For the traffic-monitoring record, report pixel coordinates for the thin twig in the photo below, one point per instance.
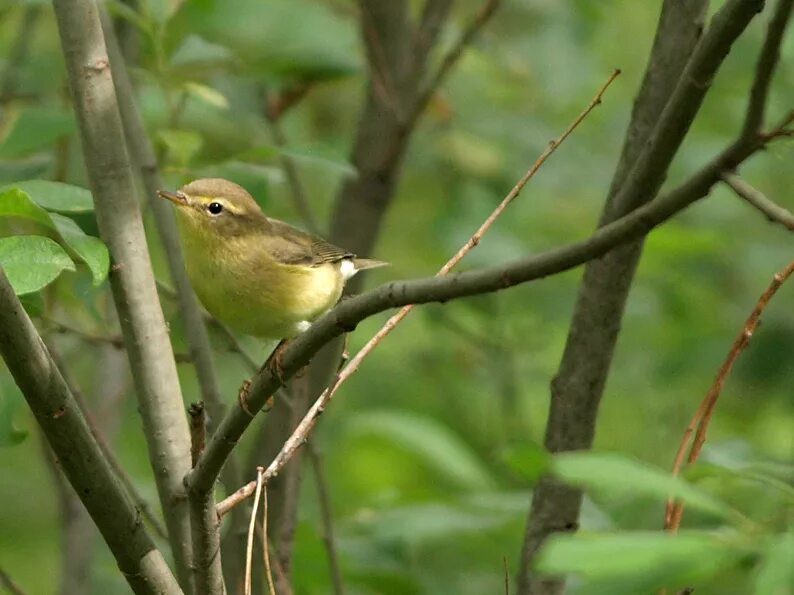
(8, 583)
(326, 514)
(700, 421)
(63, 327)
(249, 549)
(265, 550)
(300, 433)
(771, 210)
(507, 575)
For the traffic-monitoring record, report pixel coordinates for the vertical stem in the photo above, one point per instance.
(80, 457)
(142, 322)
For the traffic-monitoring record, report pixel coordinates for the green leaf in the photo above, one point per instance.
(649, 559)
(91, 250)
(434, 442)
(33, 303)
(36, 129)
(319, 157)
(615, 474)
(55, 196)
(16, 203)
(195, 50)
(207, 94)
(32, 262)
(776, 571)
(182, 145)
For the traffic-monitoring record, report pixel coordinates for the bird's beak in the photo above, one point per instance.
(178, 198)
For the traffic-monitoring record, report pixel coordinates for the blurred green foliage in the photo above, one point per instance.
(433, 447)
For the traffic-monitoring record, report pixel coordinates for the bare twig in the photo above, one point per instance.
(265, 549)
(327, 517)
(9, 585)
(507, 575)
(63, 327)
(301, 432)
(700, 421)
(249, 550)
(132, 281)
(771, 210)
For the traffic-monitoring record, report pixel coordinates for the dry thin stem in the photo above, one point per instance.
(249, 549)
(300, 433)
(700, 421)
(771, 210)
(265, 550)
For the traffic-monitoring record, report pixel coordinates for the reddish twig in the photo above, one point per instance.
(265, 551)
(700, 421)
(308, 422)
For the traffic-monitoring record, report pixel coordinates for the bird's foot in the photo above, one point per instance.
(273, 363)
(242, 396)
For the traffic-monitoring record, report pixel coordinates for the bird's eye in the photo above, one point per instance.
(215, 208)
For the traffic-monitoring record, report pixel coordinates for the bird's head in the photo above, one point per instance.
(215, 207)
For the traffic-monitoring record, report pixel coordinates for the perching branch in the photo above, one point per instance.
(80, 457)
(700, 422)
(347, 314)
(121, 228)
(771, 210)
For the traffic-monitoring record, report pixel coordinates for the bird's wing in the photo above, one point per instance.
(289, 245)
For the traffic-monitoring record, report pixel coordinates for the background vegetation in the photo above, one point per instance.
(431, 450)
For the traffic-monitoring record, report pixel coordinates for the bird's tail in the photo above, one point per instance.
(368, 263)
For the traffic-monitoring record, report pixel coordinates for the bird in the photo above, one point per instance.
(258, 275)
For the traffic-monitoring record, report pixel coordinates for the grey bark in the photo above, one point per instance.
(80, 457)
(142, 322)
(143, 154)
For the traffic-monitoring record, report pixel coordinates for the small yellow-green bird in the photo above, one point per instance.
(258, 275)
